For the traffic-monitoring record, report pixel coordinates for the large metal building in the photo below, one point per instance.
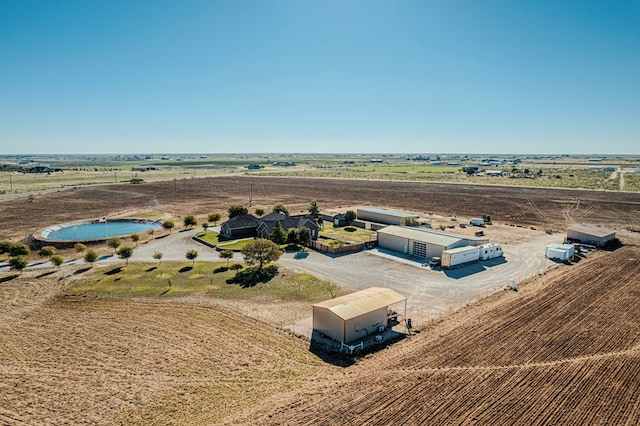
(388, 217)
(590, 234)
(355, 315)
(423, 242)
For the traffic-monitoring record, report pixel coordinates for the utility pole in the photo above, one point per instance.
(250, 194)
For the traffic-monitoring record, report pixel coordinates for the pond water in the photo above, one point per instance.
(97, 231)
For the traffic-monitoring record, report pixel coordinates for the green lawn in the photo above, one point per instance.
(175, 279)
(348, 233)
(210, 236)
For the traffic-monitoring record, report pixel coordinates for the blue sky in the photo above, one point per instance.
(397, 76)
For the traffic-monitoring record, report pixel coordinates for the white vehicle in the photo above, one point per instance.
(460, 256)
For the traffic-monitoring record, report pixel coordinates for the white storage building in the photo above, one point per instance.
(388, 217)
(590, 234)
(355, 315)
(423, 242)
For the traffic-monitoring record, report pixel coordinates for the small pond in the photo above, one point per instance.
(85, 231)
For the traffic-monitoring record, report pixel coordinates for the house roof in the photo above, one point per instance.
(361, 302)
(594, 230)
(288, 222)
(244, 220)
(273, 216)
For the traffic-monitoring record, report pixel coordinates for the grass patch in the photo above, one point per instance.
(170, 280)
(212, 237)
(351, 234)
(235, 245)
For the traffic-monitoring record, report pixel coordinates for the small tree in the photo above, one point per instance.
(410, 221)
(226, 254)
(47, 251)
(56, 260)
(350, 216)
(114, 243)
(19, 249)
(292, 236)
(192, 255)
(5, 246)
(261, 251)
(237, 210)
(321, 222)
(158, 256)
(304, 236)
(168, 225)
(135, 238)
(278, 235)
(18, 263)
(214, 218)
(190, 221)
(125, 253)
(280, 208)
(205, 226)
(260, 212)
(90, 257)
(314, 210)
(79, 247)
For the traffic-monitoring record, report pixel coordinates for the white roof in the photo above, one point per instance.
(422, 234)
(386, 212)
(462, 249)
(361, 302)
(563, 247)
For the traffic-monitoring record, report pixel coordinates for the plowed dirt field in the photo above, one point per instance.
(565, 349)
(553, 208)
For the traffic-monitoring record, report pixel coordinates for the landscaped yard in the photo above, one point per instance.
(173, 279)
(351, 234)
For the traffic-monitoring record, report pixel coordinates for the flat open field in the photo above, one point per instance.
(554, 208)
(562, 350)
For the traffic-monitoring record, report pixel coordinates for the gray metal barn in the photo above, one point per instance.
(388, 217)
(423, 242)
(590, 234)
(355, 315)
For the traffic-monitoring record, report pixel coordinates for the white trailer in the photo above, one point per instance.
(459, 256)
(476, 221)
(490, 251)
(560, 252)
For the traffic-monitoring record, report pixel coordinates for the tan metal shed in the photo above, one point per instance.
(355, 315)
(590, 234)
(423, 242)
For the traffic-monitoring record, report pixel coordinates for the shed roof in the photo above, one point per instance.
(595, 230)
(361, 302)
(431, 236)
(386, 212)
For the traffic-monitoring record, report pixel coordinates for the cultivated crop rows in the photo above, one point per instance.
(568, 353)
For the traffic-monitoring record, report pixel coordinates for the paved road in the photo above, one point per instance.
(429, 292)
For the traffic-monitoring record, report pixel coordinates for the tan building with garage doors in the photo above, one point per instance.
(423, 242)
(355, 315)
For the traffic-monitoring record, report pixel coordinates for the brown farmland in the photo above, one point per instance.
(562, 350)
(514, 205)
